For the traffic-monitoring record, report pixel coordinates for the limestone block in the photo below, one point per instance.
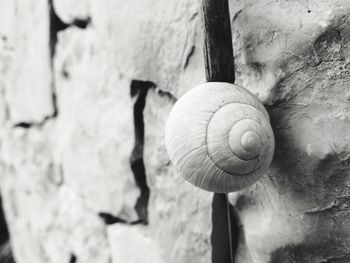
(28, 86)
(27, 191)
(148, 40)
(132, 244)
(75, 232)
(48, 222)
(95, 125)
(68, 10)
(180, 214)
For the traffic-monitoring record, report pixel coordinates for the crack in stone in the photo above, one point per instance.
(81, 23)
(73, 258)
(56, 25)
(189, 55)
(138, 92)
(166, 94)
(40, 124)
(110, 219)
(341, 203)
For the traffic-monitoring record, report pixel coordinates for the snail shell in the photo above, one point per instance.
(219, 137)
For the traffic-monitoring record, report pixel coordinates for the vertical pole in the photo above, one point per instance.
(218, 51)
(219, 67)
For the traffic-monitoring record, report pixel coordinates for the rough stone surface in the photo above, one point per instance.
(29, 91)
(48, 221)
(269, 34)
(59, 174)
(148, 40)
(299, 211)
(144, 249)
(94, 141)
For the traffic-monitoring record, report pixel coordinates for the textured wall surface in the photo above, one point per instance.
(85, 90)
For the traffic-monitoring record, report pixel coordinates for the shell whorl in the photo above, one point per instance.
(219, 137)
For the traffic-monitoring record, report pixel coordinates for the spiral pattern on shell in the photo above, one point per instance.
(219, 137)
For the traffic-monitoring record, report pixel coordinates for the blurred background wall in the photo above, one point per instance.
(85, 90)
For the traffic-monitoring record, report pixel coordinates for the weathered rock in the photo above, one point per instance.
(95, 125)
(28, 86)
(148, 40)
(297, 212)
(75, 166)
(48, 222)
(269, 34)
(27, 191)
(132, 244)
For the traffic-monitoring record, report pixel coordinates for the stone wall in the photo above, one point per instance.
(85, 90)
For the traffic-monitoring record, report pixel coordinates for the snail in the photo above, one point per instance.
(218, 136)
